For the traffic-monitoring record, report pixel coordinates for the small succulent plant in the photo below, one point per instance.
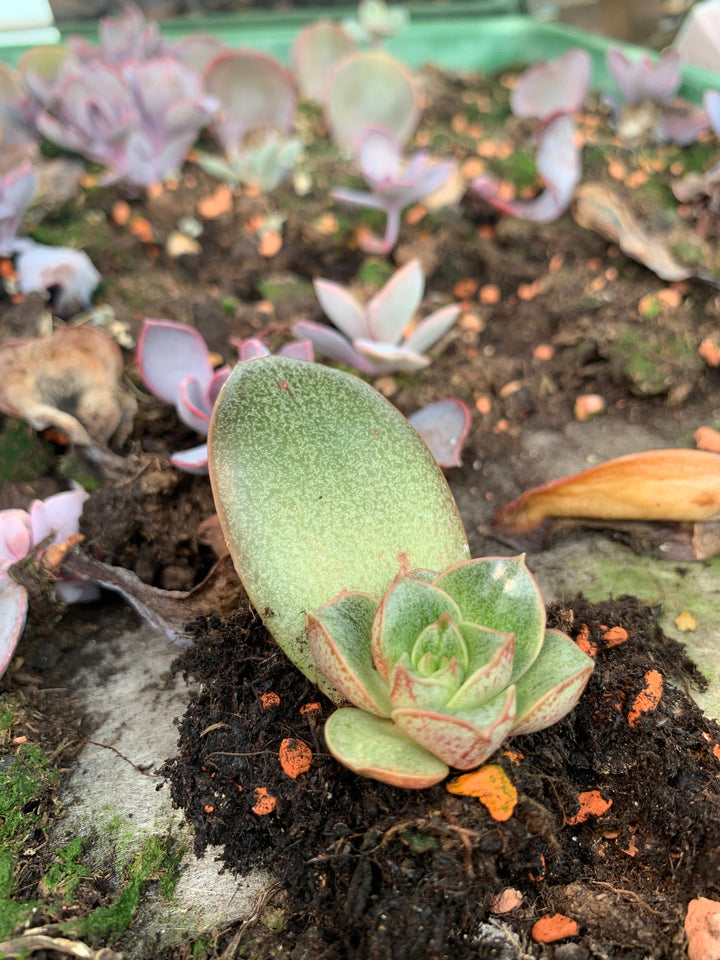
(264, 166)
(377, 21)
(336, 517)
(393, 185)
(47, 522)
(374, 339)
(648, 106)
(550, 92)
(442, 669)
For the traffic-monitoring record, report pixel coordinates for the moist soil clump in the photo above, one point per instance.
(367, 870)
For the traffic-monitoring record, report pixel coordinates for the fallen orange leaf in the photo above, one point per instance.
(670, 485)
(648, 698)
(493, 788)
(295, 757)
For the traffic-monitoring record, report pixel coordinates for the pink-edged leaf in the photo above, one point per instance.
(444, 427)
(301, 350)
(370, 89)
(167, 354)
(58, 515)
(315, 51)
(553, 684)
(197, 50)
(432, 328)
(193, 406)
(268, 95)
(386, 358)
(194, 460)
(16, 537)
(379, 157)
(329, 343)
(555, 86)
(338, 635)
(409, 689)
(374, 747)
(646, 79)
(217, 382)
(342, 308)
(558, 163)
(461, 738)
(13, 612)
(500, 593)
(252, 348)
(392, 307)
(408, 606)
(490, 668)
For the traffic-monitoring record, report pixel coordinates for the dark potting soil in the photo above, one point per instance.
(364, 870)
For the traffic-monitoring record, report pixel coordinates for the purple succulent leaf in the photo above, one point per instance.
(342, 308)
(129, 36)
(555, 86)
(374, 747)
(681, 123)
(461, 738)
(16, 539)
(493, 591)
(392, 308)
(552, 685)
(432, 328)
(57, 515)
(386, 358)
(268, 96)
(444, 427)
(380, 159)
(251, 349)
(197, 50)
(558, 163)
(301, 350)
(645, 79)
(338, 635)
(711, 103)
(408, 606)
(329, 343)
(217, 382)
(13, 612)
(360, 198)
(68, 273)
(194, 460)
(17, 189)
(193, 405)
(167, 353)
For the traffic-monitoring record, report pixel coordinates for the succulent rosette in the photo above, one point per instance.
(442, 670)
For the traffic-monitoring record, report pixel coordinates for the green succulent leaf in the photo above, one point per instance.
(462, 738)
(553, 684)
(500, 593)
(339, 640)
(489, 668)
(322, 486)
(410, 689)
(373, 747)
(408, 607)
